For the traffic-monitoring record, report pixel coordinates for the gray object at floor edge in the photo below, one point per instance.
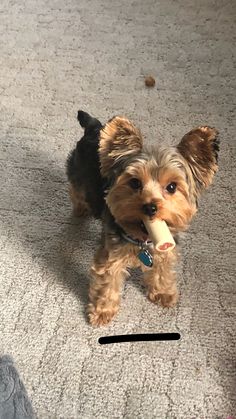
(14, 401)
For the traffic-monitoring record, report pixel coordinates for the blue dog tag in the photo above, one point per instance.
(145, 257)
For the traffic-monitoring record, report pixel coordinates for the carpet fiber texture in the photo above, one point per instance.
(56, 57)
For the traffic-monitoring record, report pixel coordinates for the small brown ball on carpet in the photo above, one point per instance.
(150, 81)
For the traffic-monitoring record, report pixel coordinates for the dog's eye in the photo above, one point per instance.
(171, 188)
(135, 183)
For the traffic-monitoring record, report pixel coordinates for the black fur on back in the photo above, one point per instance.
(83, 167)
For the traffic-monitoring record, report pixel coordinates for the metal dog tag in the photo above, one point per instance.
(145, 257)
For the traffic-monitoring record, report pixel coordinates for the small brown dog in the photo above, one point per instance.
(116, 178)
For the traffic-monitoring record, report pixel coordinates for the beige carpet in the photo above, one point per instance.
(56, 57)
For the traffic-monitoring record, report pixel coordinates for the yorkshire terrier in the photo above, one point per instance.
(116, 178)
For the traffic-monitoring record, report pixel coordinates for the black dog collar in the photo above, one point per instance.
(136, 242)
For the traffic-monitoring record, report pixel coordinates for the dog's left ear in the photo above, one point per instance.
(118, 139)
(200, 149)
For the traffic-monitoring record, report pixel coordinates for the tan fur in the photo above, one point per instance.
(197, 148)
(161, 279)
(80, 206)
(109, 270)
(118, 138)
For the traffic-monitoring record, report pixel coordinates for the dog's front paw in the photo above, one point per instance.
(166, 300)
(101, 316)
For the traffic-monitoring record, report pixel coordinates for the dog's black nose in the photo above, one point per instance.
(149, 209)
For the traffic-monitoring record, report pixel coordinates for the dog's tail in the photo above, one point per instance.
(87, 121)
(84, 118)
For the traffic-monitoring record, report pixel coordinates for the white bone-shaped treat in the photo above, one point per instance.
(160, 235)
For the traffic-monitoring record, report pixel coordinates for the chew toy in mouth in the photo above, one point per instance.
(165, 246)
(160, 234)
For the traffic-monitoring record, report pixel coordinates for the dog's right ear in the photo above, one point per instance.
(118, 139)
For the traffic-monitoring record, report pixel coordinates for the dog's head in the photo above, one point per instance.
(157, 182)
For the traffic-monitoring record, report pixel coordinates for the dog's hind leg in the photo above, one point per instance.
(77, 196)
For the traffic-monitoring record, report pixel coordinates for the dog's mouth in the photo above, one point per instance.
(138, 230)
